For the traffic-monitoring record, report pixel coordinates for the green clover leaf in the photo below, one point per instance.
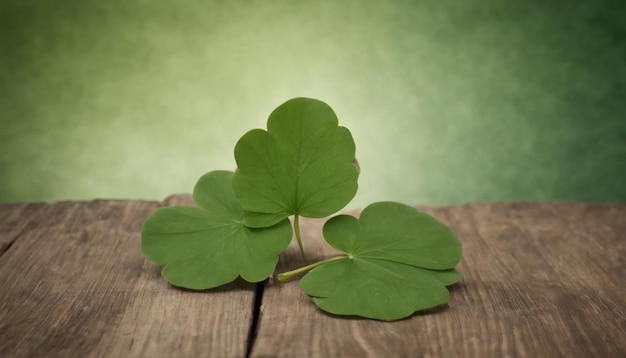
(398, 261)
(304, 164)
(210, 246)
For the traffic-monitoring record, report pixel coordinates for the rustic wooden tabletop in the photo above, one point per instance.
(539, 280)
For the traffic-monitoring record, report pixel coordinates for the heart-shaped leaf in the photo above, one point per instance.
(304, 164)
(210, 246)
(398, 261)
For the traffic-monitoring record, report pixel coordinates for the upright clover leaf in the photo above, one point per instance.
(303, 165)
(209, 246)
(398, 261)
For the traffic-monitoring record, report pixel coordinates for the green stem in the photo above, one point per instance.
(296, 228)
(286, 276)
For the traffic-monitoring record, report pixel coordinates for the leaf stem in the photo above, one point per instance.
(286, 276)
(296, 228)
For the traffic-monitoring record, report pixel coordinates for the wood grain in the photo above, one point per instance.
(14, 218)
(540, 280)
(74, 284)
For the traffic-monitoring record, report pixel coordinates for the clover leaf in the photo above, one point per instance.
(304, 164)
(398, 261)
(210, 246)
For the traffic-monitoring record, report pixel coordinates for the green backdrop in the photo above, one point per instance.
(448, 101)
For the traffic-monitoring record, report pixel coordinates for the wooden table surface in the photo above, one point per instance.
(539, 280)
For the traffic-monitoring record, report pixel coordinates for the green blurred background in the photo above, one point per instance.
(448, 101)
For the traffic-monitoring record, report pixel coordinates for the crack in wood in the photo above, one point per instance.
(9, 210)
(6, 247)
(256, 316)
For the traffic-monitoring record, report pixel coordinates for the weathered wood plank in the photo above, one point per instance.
(163, 321)
(75, 284)
(67, 277)
(540, 280)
